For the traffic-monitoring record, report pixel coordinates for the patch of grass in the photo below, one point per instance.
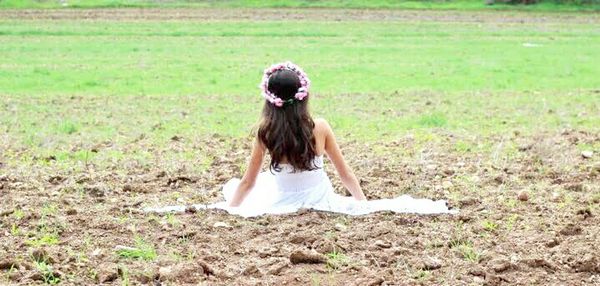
(468, 252)
(336, 259)
(510, 224)
(489, 225)
(421, 274)
(15, 230)
(44, 239)
(463, 146)
(142, 250)
(49, 210)
(124, 273)
(47, 272)
(432, 120)
(18, 214)
(171, 219)
(67, 127)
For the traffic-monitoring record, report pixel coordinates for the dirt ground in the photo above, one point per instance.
(530, 218)
(131, 14)
(529, 205)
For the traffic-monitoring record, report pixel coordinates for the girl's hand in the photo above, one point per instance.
(249, 178)
(335, 155)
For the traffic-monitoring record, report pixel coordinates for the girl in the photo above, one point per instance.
(297, 144)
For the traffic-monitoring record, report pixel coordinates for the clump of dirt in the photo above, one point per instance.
(305, 256)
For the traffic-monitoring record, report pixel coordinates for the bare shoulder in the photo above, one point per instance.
(322, 126)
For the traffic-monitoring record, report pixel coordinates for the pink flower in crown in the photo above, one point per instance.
(300, 95)
(278, 102)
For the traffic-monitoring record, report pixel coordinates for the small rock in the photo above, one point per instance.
(523, 196)
(585, 213)
(206, 267)
(431, 167)
(96, 252)
(15, 275)
(6, 212)
(587, 154)
(525, 147)
(382, 244)
(304, 256)
(370, 281)
(36, 276)
(465, 217)
(538, 263)
(339, 227)
(125, 248)
(399, 250)
(165, 273)
(7, 264)
(277, 268)
(576, 187)
(587, 263)
(71, 212)
(552, 243)
(468, 201)
(221, 224)
(252, 270)
(571, 229)
(447, 184)
(499, 265)
(477, 271)
(184, 273)
(431, 264)
(97, 191)
(107, 273)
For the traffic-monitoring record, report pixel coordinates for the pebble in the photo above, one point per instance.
(96, 252)
(382, 244)
(447, 185)
(8, 264)
(587, 154)
(305, 256)
(523, 196)
(221, 224)
(340, 227)
(499, 265)
(468, 201)
(165, 272)
(431, 264)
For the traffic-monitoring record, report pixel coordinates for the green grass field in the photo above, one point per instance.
(106, 112)
(66, 83)
(545, 5)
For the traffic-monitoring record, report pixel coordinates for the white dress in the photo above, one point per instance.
(287, 192)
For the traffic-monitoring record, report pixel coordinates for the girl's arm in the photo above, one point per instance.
(249, 178)
(335, 155)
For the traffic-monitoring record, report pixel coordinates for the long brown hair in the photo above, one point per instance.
(287, 131)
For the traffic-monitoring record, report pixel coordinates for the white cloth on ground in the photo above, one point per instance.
(287, 192)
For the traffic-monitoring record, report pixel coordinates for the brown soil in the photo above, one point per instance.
(497, 238)
(298, 14)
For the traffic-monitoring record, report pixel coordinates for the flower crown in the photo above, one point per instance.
(272, 98)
